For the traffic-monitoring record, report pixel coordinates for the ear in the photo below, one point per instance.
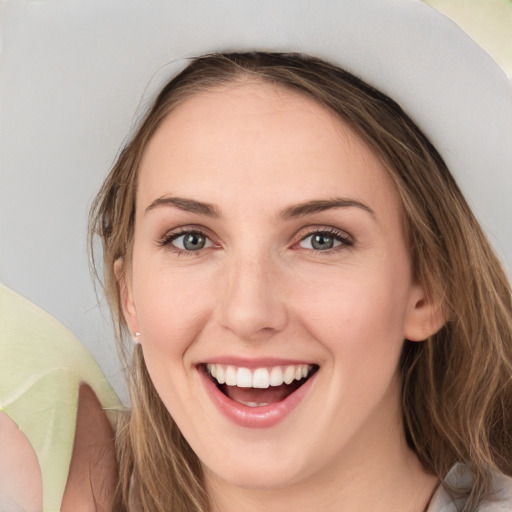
(126, 295)
(424, 316)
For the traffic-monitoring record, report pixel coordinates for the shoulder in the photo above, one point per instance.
(500, 501)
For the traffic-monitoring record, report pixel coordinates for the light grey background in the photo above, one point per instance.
(73, 74)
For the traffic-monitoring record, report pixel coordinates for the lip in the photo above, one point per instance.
(254, 417)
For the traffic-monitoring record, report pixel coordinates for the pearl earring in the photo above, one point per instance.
(135, 336)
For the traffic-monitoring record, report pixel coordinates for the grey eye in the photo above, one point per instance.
(322, 241)
(191, 242)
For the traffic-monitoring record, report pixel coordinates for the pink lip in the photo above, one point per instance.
(255, 417)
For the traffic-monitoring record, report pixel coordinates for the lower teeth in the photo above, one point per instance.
(253, 404)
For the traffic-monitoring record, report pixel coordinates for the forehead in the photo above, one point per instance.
(257, 137)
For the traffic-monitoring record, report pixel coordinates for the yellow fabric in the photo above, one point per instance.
(41, 367)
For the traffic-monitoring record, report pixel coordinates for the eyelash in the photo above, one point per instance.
(343, 238)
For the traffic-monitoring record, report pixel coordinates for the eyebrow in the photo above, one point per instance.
(320, 205)
(187, 205)
(291, 212)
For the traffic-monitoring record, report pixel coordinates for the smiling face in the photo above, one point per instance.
(269, 251)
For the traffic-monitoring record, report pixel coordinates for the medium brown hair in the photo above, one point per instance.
(456, 385)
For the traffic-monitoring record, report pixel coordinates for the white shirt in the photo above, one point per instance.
(459, 476)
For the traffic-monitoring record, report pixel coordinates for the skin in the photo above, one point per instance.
(259, 289)
(93, 464)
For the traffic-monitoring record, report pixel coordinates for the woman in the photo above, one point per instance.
(320, 321)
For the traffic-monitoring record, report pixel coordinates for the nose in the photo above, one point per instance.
(251, 305)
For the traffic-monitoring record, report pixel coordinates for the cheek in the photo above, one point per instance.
(171, 317)
(358, 316)
(172, 308)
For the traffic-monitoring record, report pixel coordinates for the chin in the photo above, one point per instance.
(258, 477)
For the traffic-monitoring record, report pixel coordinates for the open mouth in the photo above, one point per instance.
(259, 387)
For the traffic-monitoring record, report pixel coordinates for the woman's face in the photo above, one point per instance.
(269, 246)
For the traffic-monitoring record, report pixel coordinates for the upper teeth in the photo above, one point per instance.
(258, 377)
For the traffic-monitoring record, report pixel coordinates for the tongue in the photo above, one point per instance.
(270, 395)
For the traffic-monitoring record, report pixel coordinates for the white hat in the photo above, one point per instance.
(72, 74)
